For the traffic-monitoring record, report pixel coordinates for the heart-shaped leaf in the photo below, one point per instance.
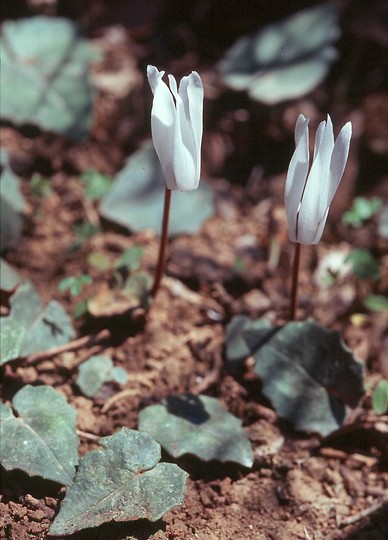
(286, 59)
(123, 481)
(41, 440)
(197, 425)
(11, 205)
(9, 278)
(43, 327)
(243, 336)
(45, 75)
(95, 372)
(12, 335)
(307, 372)
(136, 198)
(51, 328)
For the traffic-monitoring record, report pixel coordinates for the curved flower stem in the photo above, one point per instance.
(294, 287)
(163, 243)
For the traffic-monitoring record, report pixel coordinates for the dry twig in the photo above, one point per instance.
(212, 377)
(86, 435)
(363, 514)
(85, 341)
(128, 392)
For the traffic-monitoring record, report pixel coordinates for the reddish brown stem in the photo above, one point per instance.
(163, 243)
(294, 287)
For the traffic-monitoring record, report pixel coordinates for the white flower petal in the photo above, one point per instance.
(321, 226)
(314, 199)
(324, 140)
(176, 123)
(187, 153)
(308, 203)
(173, 86)
(300, 127)
(154, 76)
(185, 169)
(322, 162)
(339, 158)
(163, 106)
(297, 174)
(193, 89)
(327, 143)
(163, 119)
(308, 217)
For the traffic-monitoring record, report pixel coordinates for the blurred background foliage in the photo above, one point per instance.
(244, 137)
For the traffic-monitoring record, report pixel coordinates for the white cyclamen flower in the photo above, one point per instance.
(176, 125)
(308, 195)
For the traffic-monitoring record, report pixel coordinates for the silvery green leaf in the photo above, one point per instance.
(97, 371)
(12, 335)
(41, 440)
(52, 327)
(119, 375)
(286, 59)
(9, 278)
(197, 425)
(42, 327)
(136, 198)
(307, 372)
(122, 481)
(45, 75)
(238, 345)
(11, 205)
(25, 304)
(93, 374)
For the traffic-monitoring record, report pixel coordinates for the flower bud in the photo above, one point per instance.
(310, 191)
(177, 125)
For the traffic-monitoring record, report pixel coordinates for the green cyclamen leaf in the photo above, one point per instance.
(197, 425)
(41, 440)
(286, 59)
(45, 75)
(123, 481)
(9, 278)
(135, 200)
(11, 205)
(41, 327)
(12, 335)
(96, 371)
(306, 371)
